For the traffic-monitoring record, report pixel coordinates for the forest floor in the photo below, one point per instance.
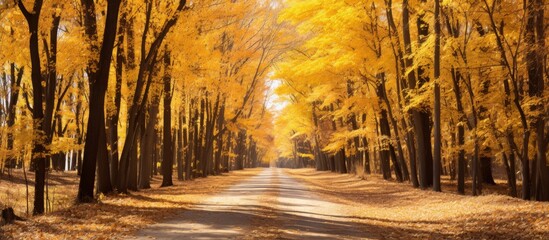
(61, 190)
(281, 204)
(113, 216)
(399, 211)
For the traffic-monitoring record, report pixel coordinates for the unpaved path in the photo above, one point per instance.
(271, 205)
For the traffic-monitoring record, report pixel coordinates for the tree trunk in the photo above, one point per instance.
(188, 146)
(421, 117)
(115, 117)
(37, 112)
(437, 161)
(103, 174)
(385, 146)
(179, 148)
(400, 164)
(167, 162)
(535, 37)
(414, 114)
(460, 133)
(220, 124)
(148, 146)
(98, 77)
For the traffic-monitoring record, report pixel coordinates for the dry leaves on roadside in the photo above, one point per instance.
(119, 215)
(400, 211)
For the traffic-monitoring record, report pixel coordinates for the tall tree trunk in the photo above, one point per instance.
(421, 116)
(414, 114)
(167, 162)
(403, 173)
(98, 76)
(103, 174)
(51, 85)
(437, 161)
(460, 133)
(509, 162)
(220, 124)
(385, 146)
(199, 144)
(240, 150)
(134, 162)
(115, 117)
(402, 87)
(187, 145)
(226, 158)
(366, 152)
(179, 148)
(535, 37)
(148, 146)
(38, 150)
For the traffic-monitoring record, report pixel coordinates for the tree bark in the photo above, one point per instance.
(535, 55)
(179, 147)
(148, 145)
(115, 117)
(421, 117)
(98, 74)
(167, 162)
(38, 150)
(437, 161)
(414, 114)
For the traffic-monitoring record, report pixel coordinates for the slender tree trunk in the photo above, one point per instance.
(385, 146)
(226, 158)
(179, 148)
(403, 173)
(535, 37)
(115, 117)
(414, 114)
(437, 161)
(167, 162)
(148, 146)
(98, 76)
(187, 133)
(509, 162)
(240, 150)
(50, 88)
(37, 112)
(366, 152)
(421, 117)
(220, 124)
(460, 133)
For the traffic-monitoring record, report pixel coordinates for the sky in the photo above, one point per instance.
(274, 102)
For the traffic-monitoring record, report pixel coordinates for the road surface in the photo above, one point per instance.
(271, 205)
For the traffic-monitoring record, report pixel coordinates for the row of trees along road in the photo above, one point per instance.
(419, 89)
(120, 90)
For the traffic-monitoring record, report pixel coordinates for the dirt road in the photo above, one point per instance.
(271, 205)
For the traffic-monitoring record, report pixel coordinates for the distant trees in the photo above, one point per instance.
(457, 94)
(102, 71)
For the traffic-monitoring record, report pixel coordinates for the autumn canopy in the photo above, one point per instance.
(441, 95)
